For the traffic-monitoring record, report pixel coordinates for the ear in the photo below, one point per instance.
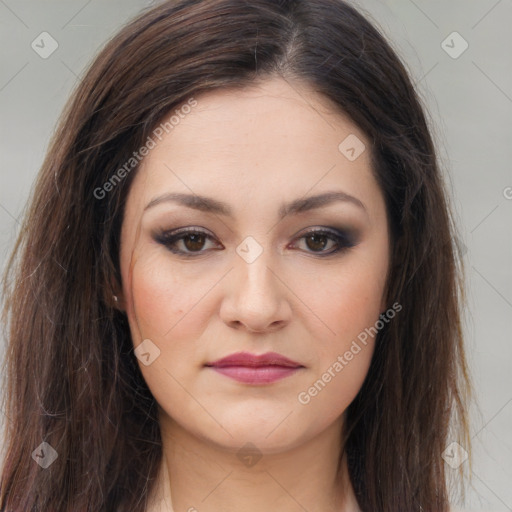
(117, 302)
(115, 297)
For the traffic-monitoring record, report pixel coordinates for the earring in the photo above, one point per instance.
(116, 298)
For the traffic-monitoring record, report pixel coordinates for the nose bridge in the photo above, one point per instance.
(255, 298)
(253, 266)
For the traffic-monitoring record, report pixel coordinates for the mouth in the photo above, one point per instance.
(255, 369)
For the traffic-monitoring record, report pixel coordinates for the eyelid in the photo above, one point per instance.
(324, 230)
(188, 229)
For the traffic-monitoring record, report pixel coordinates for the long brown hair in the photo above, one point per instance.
(71, 375)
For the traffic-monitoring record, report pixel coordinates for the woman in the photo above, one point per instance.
(236, 286)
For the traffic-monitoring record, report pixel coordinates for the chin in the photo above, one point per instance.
(276, 431)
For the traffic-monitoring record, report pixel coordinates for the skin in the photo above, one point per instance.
(254, 149)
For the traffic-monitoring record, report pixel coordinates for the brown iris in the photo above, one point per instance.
(319, 240)
(196, 241)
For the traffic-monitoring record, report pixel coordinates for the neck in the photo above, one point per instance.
(211, 478)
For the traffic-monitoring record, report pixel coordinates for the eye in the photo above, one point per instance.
(186, 241)
(317, 240)
(190, 242)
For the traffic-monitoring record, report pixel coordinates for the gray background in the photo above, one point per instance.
(470, 103)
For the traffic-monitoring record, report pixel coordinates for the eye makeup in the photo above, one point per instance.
(190, 242)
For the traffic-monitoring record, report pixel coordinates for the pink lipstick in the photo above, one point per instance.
(255, 369)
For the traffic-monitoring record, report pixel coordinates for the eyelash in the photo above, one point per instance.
(169, 239)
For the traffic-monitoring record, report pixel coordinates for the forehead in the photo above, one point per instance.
(280, 114)
(271, 141)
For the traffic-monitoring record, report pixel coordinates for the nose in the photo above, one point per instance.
(255, 297)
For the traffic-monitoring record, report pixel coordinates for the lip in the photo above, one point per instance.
(255, 369)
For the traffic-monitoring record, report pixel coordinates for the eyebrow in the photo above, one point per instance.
(210, 205)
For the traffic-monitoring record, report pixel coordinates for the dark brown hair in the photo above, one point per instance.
(71, 374)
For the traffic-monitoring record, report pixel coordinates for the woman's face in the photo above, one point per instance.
(275, 165)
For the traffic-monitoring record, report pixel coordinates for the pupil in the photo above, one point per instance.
(317, 246)
(197, 242)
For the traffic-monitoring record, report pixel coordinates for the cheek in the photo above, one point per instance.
(162, 299)
(165, 307)
(336, 385)
(347, 300)
(352, 305)
(351, 309)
